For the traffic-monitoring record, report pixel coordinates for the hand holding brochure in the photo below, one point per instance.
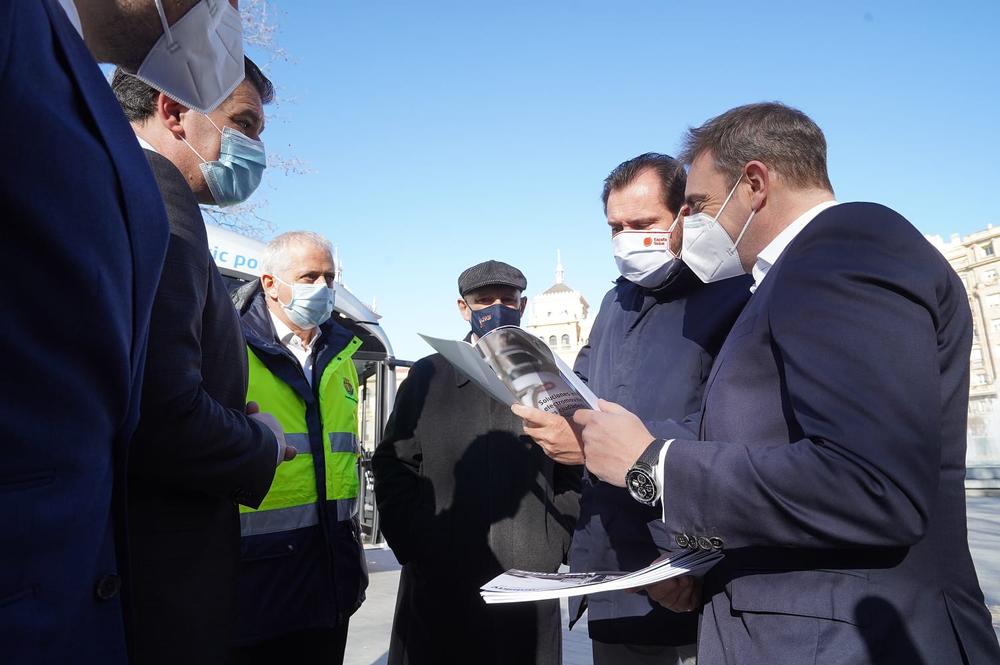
(512, 365)
(519, 586)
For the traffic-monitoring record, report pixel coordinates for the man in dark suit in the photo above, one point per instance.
(831, 458)
(85, 233)
(463, 495)
(196, 453)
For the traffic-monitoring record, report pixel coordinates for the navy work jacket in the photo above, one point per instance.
(650, 350)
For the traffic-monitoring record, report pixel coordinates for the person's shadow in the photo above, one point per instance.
(872, 612)
(470, 538)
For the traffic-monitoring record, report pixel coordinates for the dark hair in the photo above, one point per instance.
(138, 99)
(781, 137)
(669, 170)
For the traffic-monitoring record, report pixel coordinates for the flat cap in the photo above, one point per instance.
(490, 273)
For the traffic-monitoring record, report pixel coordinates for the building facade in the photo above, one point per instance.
(560, 317)
(976, 259)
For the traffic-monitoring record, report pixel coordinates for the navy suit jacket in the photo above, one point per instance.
(832, 461)
(84, 236)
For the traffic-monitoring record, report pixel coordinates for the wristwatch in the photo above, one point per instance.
(641, 478)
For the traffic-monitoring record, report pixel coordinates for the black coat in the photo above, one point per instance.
(463, 495)
(195, 454)
(84, 235)
(645, 338)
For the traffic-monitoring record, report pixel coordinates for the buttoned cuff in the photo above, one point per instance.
(660, 473)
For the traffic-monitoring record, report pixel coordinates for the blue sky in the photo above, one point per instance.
(440, 134)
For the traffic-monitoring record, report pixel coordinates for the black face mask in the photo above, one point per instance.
(492, 317)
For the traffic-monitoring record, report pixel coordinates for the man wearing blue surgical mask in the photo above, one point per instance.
(302, 569)
(220, 153)
(659, 325)
(198, 451)
(463, 495)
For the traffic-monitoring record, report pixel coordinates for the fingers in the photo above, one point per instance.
(252, 408)
(536, 417)
(290, 453)
(583, 417)
(680, 594)
(611, 407)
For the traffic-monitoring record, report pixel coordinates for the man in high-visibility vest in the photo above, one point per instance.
(302, 570)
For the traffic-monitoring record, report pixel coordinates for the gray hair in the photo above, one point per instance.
(781, 137)
(276, 258)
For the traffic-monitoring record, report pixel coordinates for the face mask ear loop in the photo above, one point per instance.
(213, 124)
(677, 219)
(171, 44)
(289, 286)
(726, 202)
(745, 227)
(193, 150)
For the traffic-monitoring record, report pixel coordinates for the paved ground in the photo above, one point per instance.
(370, 627)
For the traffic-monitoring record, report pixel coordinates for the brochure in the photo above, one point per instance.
(512, 365)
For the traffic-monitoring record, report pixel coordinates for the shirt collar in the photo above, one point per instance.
(69, 6)
(289, 338)
(143, 143)
(770, 254)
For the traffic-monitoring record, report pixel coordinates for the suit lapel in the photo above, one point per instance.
(747, 317)
(142, 206)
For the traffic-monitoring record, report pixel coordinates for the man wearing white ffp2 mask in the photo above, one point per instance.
(708, 249)
(659, 326)
(199, 59)
(643, 256)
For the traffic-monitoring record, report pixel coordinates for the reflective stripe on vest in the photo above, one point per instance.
(291, 502)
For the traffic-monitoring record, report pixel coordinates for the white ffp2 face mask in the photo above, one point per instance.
(707, 248)
(198, 60)
(644, 257)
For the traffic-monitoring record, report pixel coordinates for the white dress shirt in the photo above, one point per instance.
(302, 351)
(770, 254)
(765, 260)
(143, 143)
(72, 14)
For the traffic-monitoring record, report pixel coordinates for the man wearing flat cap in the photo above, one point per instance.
(464, 495)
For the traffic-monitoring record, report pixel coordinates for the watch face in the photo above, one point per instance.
(641, 486)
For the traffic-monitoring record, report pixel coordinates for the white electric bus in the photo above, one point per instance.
(238, 258)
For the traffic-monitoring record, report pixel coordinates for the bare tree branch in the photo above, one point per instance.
(244, 218)
(260, 28)
(260, 31)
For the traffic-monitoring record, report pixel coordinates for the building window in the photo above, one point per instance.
(990, 276)
(980, 379)
(977, 355)
(552, 340)
(565, 341)
(987, 249)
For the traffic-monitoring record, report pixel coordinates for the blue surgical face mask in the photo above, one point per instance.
(234, 176)
(311, 304)
(492, 317)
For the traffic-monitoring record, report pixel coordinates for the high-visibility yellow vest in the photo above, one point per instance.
(292, 501)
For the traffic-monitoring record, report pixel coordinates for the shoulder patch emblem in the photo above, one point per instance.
(349, 387)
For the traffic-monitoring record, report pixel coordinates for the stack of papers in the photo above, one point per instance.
(520, 586)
